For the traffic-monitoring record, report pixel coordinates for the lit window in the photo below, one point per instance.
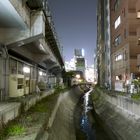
(139, 41)
(117, 78)
(26, 69)
(138, 14)
(117, 22)
(119, 57)
(40, 73)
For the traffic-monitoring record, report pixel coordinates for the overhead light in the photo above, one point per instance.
(26, 69)
(40, 73)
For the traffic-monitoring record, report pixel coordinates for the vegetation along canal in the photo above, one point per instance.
(86, 124)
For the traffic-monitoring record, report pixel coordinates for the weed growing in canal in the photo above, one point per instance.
(59, 89)
(122, 93)
(95, 95)
(29, 118)
(40, 108)
(14, 130)
(136, 96)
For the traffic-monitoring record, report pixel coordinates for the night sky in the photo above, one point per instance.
(75, 24)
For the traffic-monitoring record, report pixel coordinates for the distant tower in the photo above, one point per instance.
(79, 52)
(80, 60)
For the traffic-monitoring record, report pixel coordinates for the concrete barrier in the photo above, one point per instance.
(28, 102)
(120, 115)
(126, 104)
(8, 111)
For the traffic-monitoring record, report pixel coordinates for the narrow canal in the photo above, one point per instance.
(86, 124)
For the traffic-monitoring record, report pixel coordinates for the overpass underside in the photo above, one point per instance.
(27, 40)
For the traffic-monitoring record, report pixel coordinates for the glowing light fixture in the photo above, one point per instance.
(77, 76)
(40, 73)
(26, 69)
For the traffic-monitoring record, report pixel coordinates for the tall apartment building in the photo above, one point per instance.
(103, 43)
(125, 40)
(100, 43)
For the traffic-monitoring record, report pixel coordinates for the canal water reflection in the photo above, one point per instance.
(86, 124)
(89, 128)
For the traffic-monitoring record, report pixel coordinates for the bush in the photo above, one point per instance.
(136, 96)
(122, 93)
(59, 89)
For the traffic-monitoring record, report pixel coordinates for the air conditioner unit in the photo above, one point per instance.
(16, 85)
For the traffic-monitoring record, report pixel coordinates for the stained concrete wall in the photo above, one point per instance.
(125, 104)
(117, 115)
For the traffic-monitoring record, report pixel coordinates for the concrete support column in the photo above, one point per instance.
(51, 80)
(4, 75)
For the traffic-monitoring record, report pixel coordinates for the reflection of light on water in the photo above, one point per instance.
(86, 100)
(85, 122)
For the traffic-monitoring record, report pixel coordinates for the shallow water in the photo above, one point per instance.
(89, 128)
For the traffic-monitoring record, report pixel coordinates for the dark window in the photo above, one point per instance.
(13, 66)
(125, 34)
(125, 55)
(117, 41)
(124, 12)
(20, 68)
(139, 41)
(116, 5)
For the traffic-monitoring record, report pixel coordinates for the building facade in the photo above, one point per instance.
(70, 65)
(125, 24)
(30, 55)
(80, 63)
(103, 43)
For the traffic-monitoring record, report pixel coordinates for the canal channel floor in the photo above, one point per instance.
(86, 124)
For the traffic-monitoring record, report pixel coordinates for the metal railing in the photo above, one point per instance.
(47, 11)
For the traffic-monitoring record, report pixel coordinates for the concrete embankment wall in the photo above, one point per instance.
(119, 115)
(61, 123)
(10, 110)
